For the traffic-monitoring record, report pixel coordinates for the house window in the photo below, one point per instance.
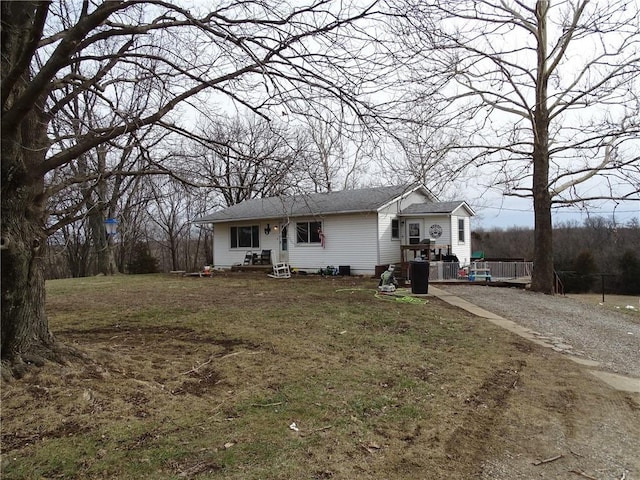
(461, 230)
(308, 232)
(395, 229)
(246, 236)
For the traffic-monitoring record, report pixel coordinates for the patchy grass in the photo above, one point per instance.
(628, 304)
(205, 378)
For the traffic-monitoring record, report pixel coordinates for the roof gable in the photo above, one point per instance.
(436, 208)
(345, 201)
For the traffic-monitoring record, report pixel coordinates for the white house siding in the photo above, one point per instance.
(462, 249)
(389, 249)
(222, 256)
(349, 240)
(225, 257)
(413, 197)
(445, 223)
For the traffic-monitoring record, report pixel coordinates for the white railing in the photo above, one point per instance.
(439, 271)
(444, 271)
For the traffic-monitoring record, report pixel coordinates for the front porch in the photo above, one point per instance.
(432, 251)
(428, 251)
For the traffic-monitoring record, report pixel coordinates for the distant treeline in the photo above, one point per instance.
(582, 252)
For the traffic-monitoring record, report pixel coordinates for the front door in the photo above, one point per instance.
(414, 233)
(283, 254)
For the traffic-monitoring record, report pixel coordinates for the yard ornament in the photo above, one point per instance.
(388, 281)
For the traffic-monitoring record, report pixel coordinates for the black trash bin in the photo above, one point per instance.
(419, 276)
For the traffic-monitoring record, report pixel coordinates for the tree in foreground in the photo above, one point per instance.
(134, 65)
(545, 95)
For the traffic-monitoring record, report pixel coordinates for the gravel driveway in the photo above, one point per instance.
(588, 331)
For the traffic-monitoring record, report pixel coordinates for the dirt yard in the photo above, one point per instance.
(244, 377)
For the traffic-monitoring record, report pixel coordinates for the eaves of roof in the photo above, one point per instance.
(316, 205)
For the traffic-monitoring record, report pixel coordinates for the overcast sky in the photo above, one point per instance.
(519, 213)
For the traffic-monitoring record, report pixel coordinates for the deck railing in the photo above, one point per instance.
(439, 271)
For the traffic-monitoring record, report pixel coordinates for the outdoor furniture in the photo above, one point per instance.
(265, 257)
(248, 258)
(281, 270)
(479, 274)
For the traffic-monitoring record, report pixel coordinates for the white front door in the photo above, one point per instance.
(414, 230)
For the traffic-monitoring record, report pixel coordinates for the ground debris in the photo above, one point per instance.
(548, 460)
(198, 367)
(371, 447)
(582, 474)
(198, 468)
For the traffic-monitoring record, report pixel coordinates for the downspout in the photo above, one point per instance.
(378, 240)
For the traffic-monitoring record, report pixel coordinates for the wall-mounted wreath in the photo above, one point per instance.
(435, 231)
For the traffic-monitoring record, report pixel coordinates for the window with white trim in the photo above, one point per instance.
(395, 229)
(461, 230)
(245, 236)
(308, 232)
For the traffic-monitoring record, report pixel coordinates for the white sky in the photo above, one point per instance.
(515, 212)
(496, 211)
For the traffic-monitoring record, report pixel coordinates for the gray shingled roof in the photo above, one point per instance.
(345, 201)
(435, 208)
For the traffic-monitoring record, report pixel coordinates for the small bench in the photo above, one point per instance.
(480, 274)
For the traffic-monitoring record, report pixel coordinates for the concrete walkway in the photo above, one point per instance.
(619, 382)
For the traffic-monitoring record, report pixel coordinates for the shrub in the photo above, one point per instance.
(581, 277)
(141, 260)
(629, 264)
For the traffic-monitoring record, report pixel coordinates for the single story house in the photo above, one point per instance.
(359, 229)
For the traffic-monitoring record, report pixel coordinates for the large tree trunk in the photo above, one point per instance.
(25, 329)
(105, 262)
(542, 278)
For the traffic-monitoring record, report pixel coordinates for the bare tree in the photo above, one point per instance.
(170, 213)
(545, 96)
(243, 157)
(89, 188)
(108, 173)
(254, 54)
(333, 157)
(424, 152)
(134, 223)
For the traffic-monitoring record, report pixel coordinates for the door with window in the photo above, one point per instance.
(283, 254)
(414, 232)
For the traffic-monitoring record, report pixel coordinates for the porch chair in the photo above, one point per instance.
(281, 270)
(248, 258)
(265, 257)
